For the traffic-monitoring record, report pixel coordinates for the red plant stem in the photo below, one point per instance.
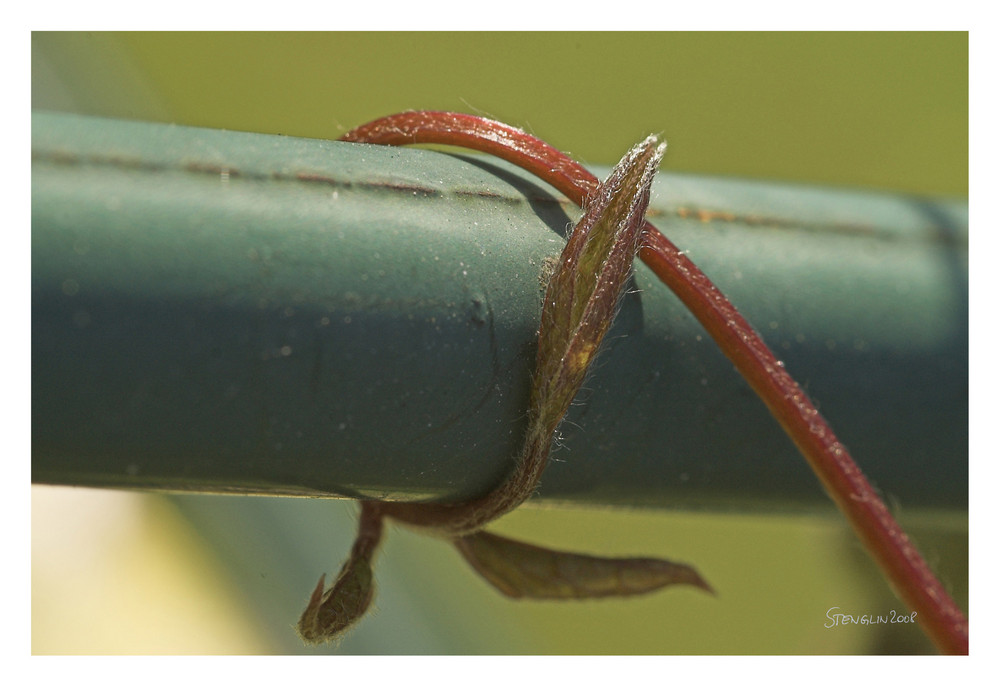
(885, 540)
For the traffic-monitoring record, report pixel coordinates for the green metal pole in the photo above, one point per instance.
(231, 312)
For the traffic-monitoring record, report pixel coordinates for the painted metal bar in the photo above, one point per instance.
(233, 312)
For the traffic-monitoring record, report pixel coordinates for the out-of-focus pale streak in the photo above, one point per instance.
(121, 573)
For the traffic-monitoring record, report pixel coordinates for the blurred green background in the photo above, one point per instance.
(209, 574)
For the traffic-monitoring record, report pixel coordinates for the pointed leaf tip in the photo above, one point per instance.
(585, 288)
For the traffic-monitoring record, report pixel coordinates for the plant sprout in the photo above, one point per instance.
(577, 310)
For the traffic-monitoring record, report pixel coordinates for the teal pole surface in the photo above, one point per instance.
(232, 312)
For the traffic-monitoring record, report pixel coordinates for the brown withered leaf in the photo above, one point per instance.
(521, 570)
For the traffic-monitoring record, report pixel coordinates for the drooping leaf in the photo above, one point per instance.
(521, 570)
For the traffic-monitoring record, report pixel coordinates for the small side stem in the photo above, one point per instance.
(459, 519)
(331, 612)
(885, 540)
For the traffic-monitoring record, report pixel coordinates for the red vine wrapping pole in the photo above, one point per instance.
(583, 290)
(885, 540)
